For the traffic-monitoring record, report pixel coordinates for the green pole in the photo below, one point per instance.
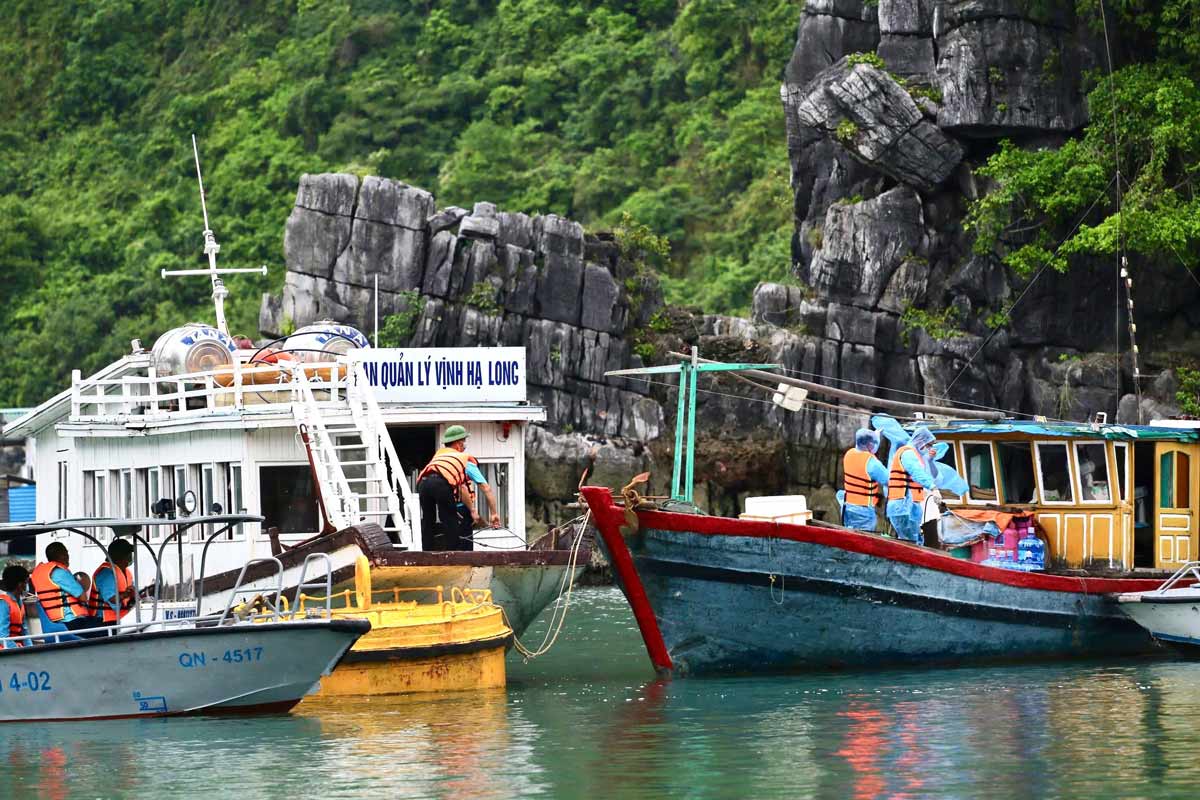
(677, 475)
(691, 431)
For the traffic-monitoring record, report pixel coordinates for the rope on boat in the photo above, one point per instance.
(559, 615)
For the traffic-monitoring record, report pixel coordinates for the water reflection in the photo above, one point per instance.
(589, 721)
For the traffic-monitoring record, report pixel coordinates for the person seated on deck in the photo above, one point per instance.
(62, 599)
(468, 513)
(909, 479)
(438, 487)
(113, 593)
(12, 610)
(863, 476)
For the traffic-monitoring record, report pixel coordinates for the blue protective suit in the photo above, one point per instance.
(904, 513)
(863, 518)
(4, 620)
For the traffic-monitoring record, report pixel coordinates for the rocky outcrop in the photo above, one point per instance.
(877, 122)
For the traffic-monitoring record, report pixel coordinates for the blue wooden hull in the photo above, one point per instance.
(738, 597)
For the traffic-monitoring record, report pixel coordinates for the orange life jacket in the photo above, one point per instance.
(52, 597)
(450, 464)
(900, 482)
(16, 616)
(101, 607)
(860, 489)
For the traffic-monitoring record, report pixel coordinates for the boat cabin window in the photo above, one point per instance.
(181, 484)
(233, 497)
(1122, 452)
(496, 473)
(154, 493)
(127, 493)
(1174, 470)
(1092, 463)
(981, 475)
(1016, 472)
(62, 490)
(950, 459)
(1055, 473)
(288, 498)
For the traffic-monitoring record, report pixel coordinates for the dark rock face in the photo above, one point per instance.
(482, 278)
(878, 123)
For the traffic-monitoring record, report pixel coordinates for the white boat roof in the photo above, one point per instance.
(59, 405)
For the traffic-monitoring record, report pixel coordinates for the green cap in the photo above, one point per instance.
(453, 434)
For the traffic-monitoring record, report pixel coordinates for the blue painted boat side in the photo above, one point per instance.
(752, 604)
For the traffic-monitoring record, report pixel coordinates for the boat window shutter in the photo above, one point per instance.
(1166, 481)
(1182, 486)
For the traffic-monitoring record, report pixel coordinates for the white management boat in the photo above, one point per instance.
(319, 434)
(1171, 613)
(234, 662)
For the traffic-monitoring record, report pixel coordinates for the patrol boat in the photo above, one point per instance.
(319, 433)
(1116, 506)
(235, 663)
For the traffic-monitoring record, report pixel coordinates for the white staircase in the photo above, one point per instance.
(358, 472)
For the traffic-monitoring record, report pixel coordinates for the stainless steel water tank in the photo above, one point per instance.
(194, 347)
(324, 341)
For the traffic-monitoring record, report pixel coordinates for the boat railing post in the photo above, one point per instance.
(676, 473)
(152, 374)
(76, 392)
(691, 425)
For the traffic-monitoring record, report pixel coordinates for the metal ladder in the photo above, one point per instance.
(265, 594)
(359, 473)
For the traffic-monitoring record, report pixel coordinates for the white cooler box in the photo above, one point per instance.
(791, 509)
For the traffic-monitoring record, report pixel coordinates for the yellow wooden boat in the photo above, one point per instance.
(455, 643)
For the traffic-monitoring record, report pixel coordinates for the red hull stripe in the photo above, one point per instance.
(608, 513)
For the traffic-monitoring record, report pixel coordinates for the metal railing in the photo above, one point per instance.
(1192, 568)
(369, 418)
(229, 389)
(341, 502)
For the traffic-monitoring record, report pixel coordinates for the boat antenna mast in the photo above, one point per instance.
(211, 248)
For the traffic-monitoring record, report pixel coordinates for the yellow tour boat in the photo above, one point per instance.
(455, 643)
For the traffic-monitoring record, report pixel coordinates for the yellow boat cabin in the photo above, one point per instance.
(1109, 498)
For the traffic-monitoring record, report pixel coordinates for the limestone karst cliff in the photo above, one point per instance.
(890, 108)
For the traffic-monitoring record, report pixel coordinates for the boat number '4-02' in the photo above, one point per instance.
(243, 656)
(29, 682)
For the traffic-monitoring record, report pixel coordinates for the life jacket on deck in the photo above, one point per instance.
(450, 464)
(16, 616)
(860, 489)
(99, 606)
(52, 597)
(899, 481)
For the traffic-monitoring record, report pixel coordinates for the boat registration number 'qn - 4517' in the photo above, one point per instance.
(27, 681)
(246, 655)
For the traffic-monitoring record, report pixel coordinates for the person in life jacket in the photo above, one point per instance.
(863, 479)
(63, 600)
(909, 480)
(113, 592)
(438, 487)
(12, 607)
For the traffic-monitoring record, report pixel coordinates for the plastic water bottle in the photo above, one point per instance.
(1031, 551)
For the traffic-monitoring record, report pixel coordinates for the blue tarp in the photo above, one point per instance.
(22, 504)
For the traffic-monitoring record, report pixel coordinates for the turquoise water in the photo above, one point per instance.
(588, 720)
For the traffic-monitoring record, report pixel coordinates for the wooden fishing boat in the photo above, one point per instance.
(719, 595)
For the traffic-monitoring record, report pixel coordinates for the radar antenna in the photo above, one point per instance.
(211, 248)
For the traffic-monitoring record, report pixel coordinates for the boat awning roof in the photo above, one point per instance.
(119, 526)
(1070, 430)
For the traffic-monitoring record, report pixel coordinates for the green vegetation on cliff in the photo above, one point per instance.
(664, 111)
(1049, 204)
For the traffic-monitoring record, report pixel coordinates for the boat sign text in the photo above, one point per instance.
(445, 374)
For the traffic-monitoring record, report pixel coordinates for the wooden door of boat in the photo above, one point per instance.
(1175, 468)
